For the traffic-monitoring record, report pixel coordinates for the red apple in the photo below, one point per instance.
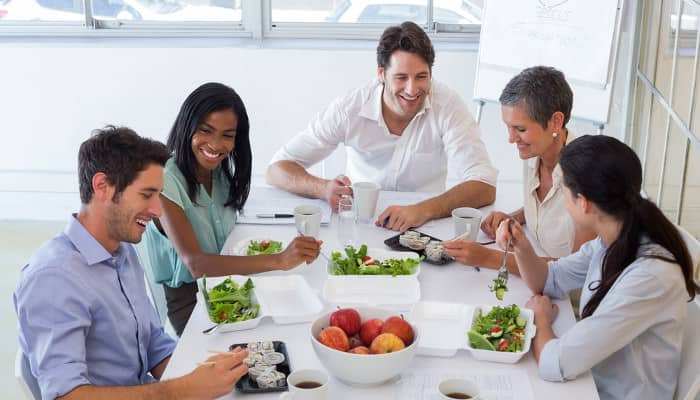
(370, 329)
(355, 341)
(347, 319)
(360, 350)
(399, 327)
(386, 343)
(334, 338)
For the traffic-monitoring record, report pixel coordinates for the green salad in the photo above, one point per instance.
(357, 262)
(502, 329)
(230, 302)
(264, 247)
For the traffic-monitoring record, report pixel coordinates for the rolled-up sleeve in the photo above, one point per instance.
(161, 345)
(320, 138)
(53, 325)
(467, 157)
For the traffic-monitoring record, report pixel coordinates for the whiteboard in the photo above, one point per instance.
(578, 37)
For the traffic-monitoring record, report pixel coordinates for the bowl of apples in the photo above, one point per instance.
(364, 346)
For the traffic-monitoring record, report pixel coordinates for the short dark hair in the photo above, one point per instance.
(407, 37)
(237, 167)
(119, 153)
(542, 91)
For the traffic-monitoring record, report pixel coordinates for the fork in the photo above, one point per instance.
(503, 271)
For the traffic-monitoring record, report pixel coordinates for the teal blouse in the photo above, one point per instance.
(210, 220)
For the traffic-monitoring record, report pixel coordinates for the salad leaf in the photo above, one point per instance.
(501, 329)
(264, 247)
(230, 302)
(357, 262)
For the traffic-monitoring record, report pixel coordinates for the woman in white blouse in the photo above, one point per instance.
(636, 278)
(535, 106)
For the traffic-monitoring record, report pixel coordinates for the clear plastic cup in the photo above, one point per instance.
(347, 227)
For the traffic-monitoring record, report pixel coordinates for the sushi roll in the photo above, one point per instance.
(434, 251)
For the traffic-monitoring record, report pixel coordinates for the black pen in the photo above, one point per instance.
(275, 215)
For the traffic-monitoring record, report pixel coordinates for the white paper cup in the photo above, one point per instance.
(466, 219)
(451, 389)
(365, 195)
(296, 381)
(308, 219)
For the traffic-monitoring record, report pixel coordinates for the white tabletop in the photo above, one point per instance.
(453, 283)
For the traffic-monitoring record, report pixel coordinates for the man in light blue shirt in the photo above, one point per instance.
(86, 324)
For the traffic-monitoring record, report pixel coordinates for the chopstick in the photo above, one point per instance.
(207, 363)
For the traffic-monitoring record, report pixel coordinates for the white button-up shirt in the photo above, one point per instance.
(548, 219)
(632, 342)
(443, 133)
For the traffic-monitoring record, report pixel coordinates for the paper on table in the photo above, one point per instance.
(274, 201)
(421, 383)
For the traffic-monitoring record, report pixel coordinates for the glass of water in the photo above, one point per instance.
(347, 229)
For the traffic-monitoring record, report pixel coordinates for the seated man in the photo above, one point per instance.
(401, 132)
(86, 324)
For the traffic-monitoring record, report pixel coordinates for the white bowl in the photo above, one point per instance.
(503, 356)
(362, 369)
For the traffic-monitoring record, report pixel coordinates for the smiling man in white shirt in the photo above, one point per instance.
(401, 131)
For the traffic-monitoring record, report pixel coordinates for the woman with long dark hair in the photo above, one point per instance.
(206, 182)
(636, 278)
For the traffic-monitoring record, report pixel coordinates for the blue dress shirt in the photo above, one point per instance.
(84, 315)
(632, 342)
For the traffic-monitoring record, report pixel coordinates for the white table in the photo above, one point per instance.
(453, 283)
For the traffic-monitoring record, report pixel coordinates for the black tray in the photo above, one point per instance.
(393, 243)
(247, 385)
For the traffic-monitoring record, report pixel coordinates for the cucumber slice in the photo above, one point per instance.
(478, 341)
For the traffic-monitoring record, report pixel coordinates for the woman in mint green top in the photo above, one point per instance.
(206, 182)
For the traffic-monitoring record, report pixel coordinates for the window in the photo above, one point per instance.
(326, 19)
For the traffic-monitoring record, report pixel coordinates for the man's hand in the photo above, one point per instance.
(402, 218)
(301, 249)
(214, 380)
(335, 189)
(467, 253)
(545, 311)
(491, 222)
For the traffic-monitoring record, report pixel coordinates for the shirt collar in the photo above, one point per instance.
(557, 174)
(87, 245)
(372, 108)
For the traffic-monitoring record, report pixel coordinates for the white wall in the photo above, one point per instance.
(52, 97)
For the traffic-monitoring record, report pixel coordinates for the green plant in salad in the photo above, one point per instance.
(264, 247)
(499, 288)
(357, 262)
(230, 302)
(502, 329)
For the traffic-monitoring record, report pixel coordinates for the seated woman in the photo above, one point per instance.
(535, 106)
(636, 278)
(206, 182)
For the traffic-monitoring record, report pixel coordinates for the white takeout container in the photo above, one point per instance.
(396, 292)
(444, 328)
(380, 291)
(287, 299)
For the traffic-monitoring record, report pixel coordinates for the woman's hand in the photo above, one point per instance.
(545, 311)
(491, 222)
(301, 249)
(466, 252)
(514, 233)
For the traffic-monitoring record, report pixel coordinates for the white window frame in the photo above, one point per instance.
(256, 24)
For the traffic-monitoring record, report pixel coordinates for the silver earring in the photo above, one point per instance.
(554, 135)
